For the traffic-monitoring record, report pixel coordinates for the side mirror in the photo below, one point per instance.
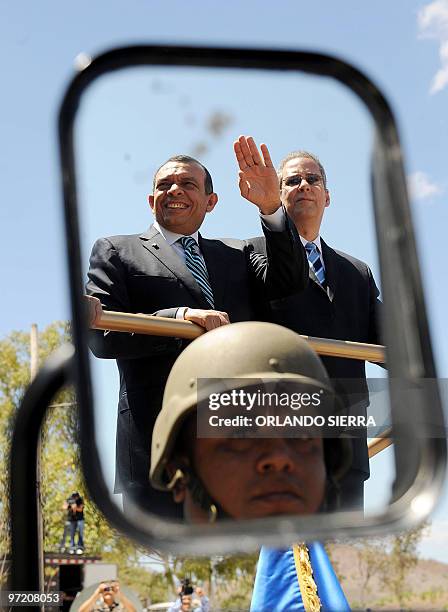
(117, 84)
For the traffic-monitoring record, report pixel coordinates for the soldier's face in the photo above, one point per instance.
(254, 478)
(179, 202)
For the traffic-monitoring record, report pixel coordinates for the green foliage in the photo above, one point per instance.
(15, 377)
(371, 562)
(236, 565)
(403, 556)
(235, 594)
(153, 576)
(199, 569)
(387, 561)
(235, 575)
(238, 600)
(60, 473)
(227, 580)
(434, 595)
(152, 587)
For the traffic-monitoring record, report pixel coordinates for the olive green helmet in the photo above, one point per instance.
(249, 350)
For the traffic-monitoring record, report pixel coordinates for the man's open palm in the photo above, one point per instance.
(258, 181)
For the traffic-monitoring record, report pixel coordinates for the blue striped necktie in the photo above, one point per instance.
(196, 265)
(315, 262)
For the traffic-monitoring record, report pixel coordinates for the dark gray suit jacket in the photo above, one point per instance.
(348, 310)
(143, 274)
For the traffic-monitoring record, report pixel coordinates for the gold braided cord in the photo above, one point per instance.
(308, 588)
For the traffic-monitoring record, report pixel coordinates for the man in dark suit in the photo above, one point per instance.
(341, 300)
(172, 271)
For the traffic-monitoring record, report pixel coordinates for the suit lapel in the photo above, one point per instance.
(326, 290)
(331, 268)
(330, 258)
(217, 269)
(156, 244)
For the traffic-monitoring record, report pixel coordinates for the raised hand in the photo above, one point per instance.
(258, 181)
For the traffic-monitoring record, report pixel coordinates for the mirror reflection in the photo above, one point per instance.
(197, 154)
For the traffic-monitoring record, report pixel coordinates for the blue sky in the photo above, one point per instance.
(402, 46)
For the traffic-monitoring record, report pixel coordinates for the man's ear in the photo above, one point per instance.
(327, 198)
(212, 201)
(151, 202)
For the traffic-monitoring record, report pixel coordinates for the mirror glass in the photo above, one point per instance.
(129, 123)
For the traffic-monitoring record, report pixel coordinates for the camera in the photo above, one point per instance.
(187, 589)
(73, 499)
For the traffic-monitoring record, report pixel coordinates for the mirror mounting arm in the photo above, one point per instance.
(26, 536)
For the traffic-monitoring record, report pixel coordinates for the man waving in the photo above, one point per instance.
(172, 271)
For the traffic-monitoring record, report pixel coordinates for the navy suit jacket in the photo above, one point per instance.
(348, 310)
(143, 274)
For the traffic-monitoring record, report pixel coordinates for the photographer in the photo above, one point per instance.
(77, 506)
(190, 599)
(106, 597)
(67, 525)
(74, 521)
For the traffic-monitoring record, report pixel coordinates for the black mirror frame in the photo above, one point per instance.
(410, 358)
(27, 553)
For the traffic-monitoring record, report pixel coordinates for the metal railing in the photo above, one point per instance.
(164, 326)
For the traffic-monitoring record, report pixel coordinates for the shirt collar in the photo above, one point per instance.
(172, 237)
(316, 241)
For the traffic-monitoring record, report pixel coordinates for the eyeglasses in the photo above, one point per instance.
(311, 179)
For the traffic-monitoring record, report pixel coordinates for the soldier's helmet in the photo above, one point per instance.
(244, 351)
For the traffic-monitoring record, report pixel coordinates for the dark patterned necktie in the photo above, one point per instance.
(195, 264)
(315, 262)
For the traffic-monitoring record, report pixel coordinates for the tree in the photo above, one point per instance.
(235, 576)
(228, 579)
(60, 473)
(14, 379)
(152, 586)
(403, 556)
(371, 562)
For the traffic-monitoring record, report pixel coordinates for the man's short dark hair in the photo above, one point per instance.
(297, 155)
(187, 159)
